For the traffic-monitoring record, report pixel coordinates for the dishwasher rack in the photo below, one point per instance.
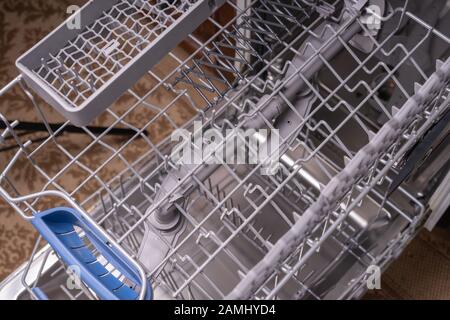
(82, 71)
(347, 118)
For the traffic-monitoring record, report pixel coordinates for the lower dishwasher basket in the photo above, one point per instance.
(346, 100)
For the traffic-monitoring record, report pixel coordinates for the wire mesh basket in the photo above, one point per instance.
(348, 101)
(82, 71)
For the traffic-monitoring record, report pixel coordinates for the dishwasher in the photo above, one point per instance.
(346, 101)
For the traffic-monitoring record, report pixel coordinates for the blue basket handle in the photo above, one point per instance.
(40, 295)
(57, 226)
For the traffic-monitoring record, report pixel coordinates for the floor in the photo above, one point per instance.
(422, 271)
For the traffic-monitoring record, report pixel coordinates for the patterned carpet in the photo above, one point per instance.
(422, 272)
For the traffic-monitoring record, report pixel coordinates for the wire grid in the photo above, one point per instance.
(227, 222)
(435, 104)
(108, 45)
(244, 47)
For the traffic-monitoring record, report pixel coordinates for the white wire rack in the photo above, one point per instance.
(97, 54)
(89, 61)
(309, 231)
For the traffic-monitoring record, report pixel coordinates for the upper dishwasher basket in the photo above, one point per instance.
(347, 92)
(82, 71)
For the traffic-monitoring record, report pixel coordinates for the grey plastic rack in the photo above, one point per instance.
(81, 72)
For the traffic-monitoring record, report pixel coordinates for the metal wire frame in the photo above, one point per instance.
(9, 133)
(97, 139)
(114, 189)
(439, 102)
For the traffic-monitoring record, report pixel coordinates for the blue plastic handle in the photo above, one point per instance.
(57, 226)
(39, 294)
